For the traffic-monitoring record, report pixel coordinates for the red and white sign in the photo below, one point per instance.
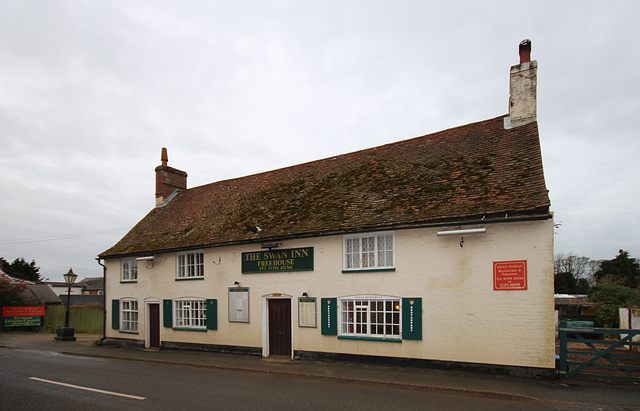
(510, 275)
(23, 311)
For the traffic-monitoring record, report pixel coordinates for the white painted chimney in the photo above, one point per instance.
(522, 89)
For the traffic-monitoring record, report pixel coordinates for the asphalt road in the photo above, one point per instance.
(36, 380)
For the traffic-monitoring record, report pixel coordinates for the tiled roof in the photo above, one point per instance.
(13, 280)
(474, 171)
(42, 293)
(92, 283)
(32, 291)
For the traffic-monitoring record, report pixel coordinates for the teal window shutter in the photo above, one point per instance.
(115, 314)
(329, 313)
(167, 313)
(412, 318)
(212, 314)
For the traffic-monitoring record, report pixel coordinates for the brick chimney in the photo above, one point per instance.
(168, 180)
(522, 89)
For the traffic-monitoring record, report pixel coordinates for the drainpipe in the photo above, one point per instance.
(104, 315)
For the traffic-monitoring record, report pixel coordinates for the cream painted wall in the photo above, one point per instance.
(463, 318)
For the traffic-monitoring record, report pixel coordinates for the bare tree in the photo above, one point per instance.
(579, 267)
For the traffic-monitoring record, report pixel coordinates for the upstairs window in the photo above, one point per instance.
(369, 251)
(191, 265)
(130, 270)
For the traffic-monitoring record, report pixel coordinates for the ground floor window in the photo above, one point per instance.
(370, 316)
(130, 315)
(190, 314)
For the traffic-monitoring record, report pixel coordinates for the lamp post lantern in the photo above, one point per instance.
(66, 333)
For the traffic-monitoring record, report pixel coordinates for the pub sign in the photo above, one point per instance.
(293, 259)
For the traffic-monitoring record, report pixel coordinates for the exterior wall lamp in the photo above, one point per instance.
(481, 230)
(147, 259)
(66, 333)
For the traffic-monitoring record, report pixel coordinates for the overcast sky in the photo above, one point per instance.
(90, 91)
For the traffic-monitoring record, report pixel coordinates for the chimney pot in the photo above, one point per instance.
(525, 51)
(164, 157)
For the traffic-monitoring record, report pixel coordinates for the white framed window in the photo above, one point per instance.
(370, 316)
(191, 265)
(369, 251)
(190, 314)
(130, 269)
(129, 315)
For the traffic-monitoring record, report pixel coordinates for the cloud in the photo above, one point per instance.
(92, 91)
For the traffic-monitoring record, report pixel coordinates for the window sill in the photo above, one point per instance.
(128, 281)
(129, 332)
(368, 270)
(348, 337)
(189, 329)
(189, 278)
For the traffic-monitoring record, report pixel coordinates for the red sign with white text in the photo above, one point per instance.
(23, 311)
(510, 275)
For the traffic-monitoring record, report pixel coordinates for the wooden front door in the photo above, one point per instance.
(154, 325)
(280, 327)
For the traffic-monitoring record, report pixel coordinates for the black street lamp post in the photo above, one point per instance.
(66, 333)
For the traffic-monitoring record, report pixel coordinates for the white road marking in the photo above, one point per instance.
(79, 387)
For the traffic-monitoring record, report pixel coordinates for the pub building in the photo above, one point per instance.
(433, 251)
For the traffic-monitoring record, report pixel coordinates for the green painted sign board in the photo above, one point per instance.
(293, 259)
(412, 318)
(22, 321)
(329, 313)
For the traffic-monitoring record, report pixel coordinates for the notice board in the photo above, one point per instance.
(307, 312)
(239, 304)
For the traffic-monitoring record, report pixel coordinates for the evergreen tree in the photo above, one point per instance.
(19, 268)
(622, 270)
(564, 283)
(582, 286)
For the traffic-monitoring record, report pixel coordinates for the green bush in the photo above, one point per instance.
(610, 298)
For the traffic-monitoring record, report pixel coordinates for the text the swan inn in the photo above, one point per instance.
(293, 259)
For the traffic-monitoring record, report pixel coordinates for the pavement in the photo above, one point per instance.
(623, 395)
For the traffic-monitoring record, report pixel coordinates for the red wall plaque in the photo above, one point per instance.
(510, 275)
(23, 311)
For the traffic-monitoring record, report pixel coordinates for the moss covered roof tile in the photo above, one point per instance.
(473, 170)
